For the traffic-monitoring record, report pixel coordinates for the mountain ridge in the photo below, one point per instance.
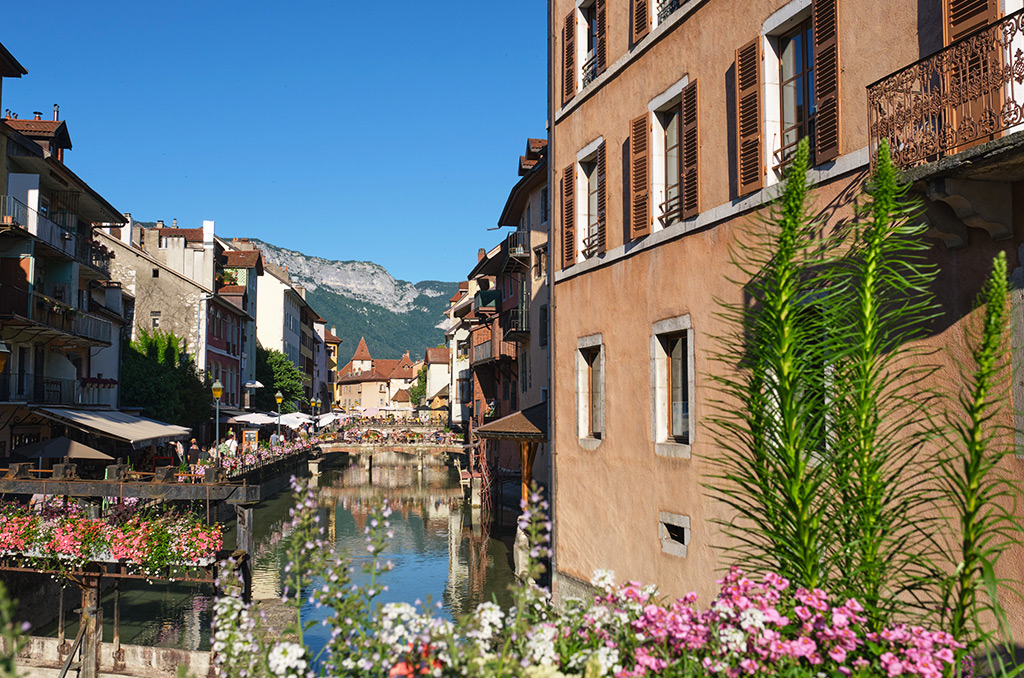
(362, 299)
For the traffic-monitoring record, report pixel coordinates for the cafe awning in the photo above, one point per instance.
(528, 424)
(137, 431)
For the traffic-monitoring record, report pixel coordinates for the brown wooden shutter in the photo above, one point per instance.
(569, 57)
(641, 19)
(689, 163)
(569, 216)
(966, 16)
(826, 80)
(749, 168)
(640, 176)
(602, 211)
(601, 47)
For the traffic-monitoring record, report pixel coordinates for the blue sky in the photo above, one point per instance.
(380, 131)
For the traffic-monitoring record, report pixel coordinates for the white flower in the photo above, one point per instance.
(604, 580)
(733, 639)
(287, 659)
(540, 645)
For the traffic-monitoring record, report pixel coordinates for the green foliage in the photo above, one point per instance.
(159, 375)
(823, 426)
(277, 373)
(418, 391)
(975, 478)
(12, 635)
(387, 333)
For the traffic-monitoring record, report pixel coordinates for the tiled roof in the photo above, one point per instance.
(437, 356)
(330, 338)
(35, 128)
(456, 296)
(189, 234)
(239, 258)
(362, 353)
(231, 289)
(401, 396)
(386, 367)
(530, 424)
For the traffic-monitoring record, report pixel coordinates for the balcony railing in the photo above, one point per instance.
(482, 352)
(590, 69)
(965, 94)
(515, 321)
(91, 327)
(32, 388)
(53, 313)
(90, 254)
(486, 301)
(666, 7)
(15, 213)
(494, 349)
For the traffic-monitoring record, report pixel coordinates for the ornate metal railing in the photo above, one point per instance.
(666, 7)
(968, 93)
(590, 69)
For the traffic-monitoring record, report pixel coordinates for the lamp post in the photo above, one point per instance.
(316, 424)
(218, 391)
(278, 397)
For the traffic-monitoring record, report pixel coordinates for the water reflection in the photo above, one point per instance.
(439, 550)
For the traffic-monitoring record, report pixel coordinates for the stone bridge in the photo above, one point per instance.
(394, 454)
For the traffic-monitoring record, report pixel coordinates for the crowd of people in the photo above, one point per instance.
(370, 433)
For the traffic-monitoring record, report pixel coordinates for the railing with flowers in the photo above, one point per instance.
(965, 94)
(260, 458)
(66, 539)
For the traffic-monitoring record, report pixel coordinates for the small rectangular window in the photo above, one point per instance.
(156, 272)
(674, 533)
(672, 388)
(544, 207)
(590, 369)
(542, 325)
(154, 317)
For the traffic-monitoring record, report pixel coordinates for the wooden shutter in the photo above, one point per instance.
(690, 160)
(602, 211)
(641, 19)
(749, 168)
(569, 216)
(569, 57)
(640, 176)
(826, 80)
(966, 16)
(601, 48)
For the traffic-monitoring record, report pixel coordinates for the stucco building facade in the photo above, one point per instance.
(672, 124)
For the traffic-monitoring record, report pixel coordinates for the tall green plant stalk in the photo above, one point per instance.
(976, 481)
(877, 303)
(773, 472)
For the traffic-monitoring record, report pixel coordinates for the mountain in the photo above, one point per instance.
(361, 299)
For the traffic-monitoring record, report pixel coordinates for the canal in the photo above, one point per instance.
(439, 550)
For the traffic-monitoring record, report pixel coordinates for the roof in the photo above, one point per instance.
(442, 392)
(330, 338)
(528, 424)
(458, 295)
(243, 259)
(362, 352)
(436, 356)
(9, 66)
(43, 129)
(231, 289)
(189, 234)
(401, 396)
(534, 178)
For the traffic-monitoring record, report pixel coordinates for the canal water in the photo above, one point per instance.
(439, 551)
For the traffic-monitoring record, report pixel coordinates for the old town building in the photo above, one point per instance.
(673, 122)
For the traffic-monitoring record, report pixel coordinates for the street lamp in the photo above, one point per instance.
(316, 424)
(218, 391)
(278, 397)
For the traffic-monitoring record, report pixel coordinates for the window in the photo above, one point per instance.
(675, 153)
(156, 272)
(544, 205)
(154, 318)
(796, 95)
(590, 234)
(592, 163)
(542, 325)
(540, 261)
(674, 533)
(673, 388)
(590, 368)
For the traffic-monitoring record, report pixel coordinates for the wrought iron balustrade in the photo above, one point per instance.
(515, 321)
(26, 387)
(968, 93)
(666, 7)
(590, 69)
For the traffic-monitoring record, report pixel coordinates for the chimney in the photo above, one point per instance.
(334, 330)
(208, 233)
(159, 223)
(174, 223)
(38, 115)
(7, 113)
(56, 112)
(480, 254)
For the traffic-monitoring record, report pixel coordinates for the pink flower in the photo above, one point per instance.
(838, 654)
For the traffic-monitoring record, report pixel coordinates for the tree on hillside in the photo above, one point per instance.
(418, 391)
(277, 373)
(159, 375)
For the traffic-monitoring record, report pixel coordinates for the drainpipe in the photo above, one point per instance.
(552, 426)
